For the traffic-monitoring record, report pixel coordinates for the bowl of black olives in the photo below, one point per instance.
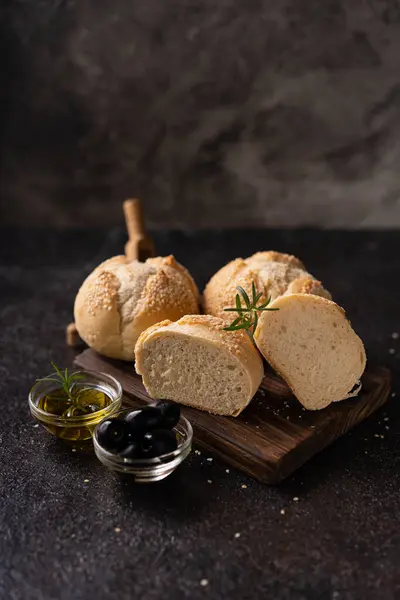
(148, 443)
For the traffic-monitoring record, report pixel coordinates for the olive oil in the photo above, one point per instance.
(80, 402)
(71, 404)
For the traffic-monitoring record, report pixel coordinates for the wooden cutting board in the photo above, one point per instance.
(274, 435)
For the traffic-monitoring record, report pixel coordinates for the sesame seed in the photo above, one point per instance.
(86, 481)
(295, 499)
(73, 449)
(387, 427)
(209, 480)
(376, 435)
(209, 459)
(395, 335)
(244, 486)
(117, 529)
(392, 351)
(226, 470)
(204, 582)
(36, 425)
(283, 511)
(237, 535)
(393, 394)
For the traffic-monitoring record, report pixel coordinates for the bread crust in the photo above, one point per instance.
(274, 256)
(273, 274)
(120, 299)
(307, 285)
(209, 329)
(220, 291)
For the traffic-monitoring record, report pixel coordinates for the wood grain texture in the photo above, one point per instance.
(139, 245)
(274, 435)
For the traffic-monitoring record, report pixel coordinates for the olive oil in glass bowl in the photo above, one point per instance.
(95, 396)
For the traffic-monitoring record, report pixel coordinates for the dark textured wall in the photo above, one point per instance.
(214, 112)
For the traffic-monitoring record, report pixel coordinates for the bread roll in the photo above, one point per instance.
(195, 362)
(311, 344)
(273, 273)
(121, 299)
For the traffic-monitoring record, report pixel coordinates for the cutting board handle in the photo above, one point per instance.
(134, 218)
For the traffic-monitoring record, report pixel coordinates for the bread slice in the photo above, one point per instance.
(311, 344)
(195, 362)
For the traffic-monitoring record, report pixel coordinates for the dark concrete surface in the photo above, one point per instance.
(64, 538)
(213, 112)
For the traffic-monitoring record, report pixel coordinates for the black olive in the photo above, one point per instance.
(113, 434)
(171, 413)
(133, 450)
(146, 419)
(156, 443)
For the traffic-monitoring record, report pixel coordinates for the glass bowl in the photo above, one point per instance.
(146, 470)
(76, 428)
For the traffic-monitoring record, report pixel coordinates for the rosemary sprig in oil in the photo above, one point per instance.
(65, 379)
(248, 314)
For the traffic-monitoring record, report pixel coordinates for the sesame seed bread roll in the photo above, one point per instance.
(120, 299)
(273, 273)
(195, 362)
(312, 346)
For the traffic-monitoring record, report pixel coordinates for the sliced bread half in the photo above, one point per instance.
(311, 344)
(194, 362)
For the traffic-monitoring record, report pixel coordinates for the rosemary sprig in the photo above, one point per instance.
(248, 314)
(65, 379)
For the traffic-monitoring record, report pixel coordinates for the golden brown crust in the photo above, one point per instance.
(168, 289)
(120, 299)
(307, 285)
(281, 257)
(220, 292)
(170, 261)
(96, 313)
(272, 272)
